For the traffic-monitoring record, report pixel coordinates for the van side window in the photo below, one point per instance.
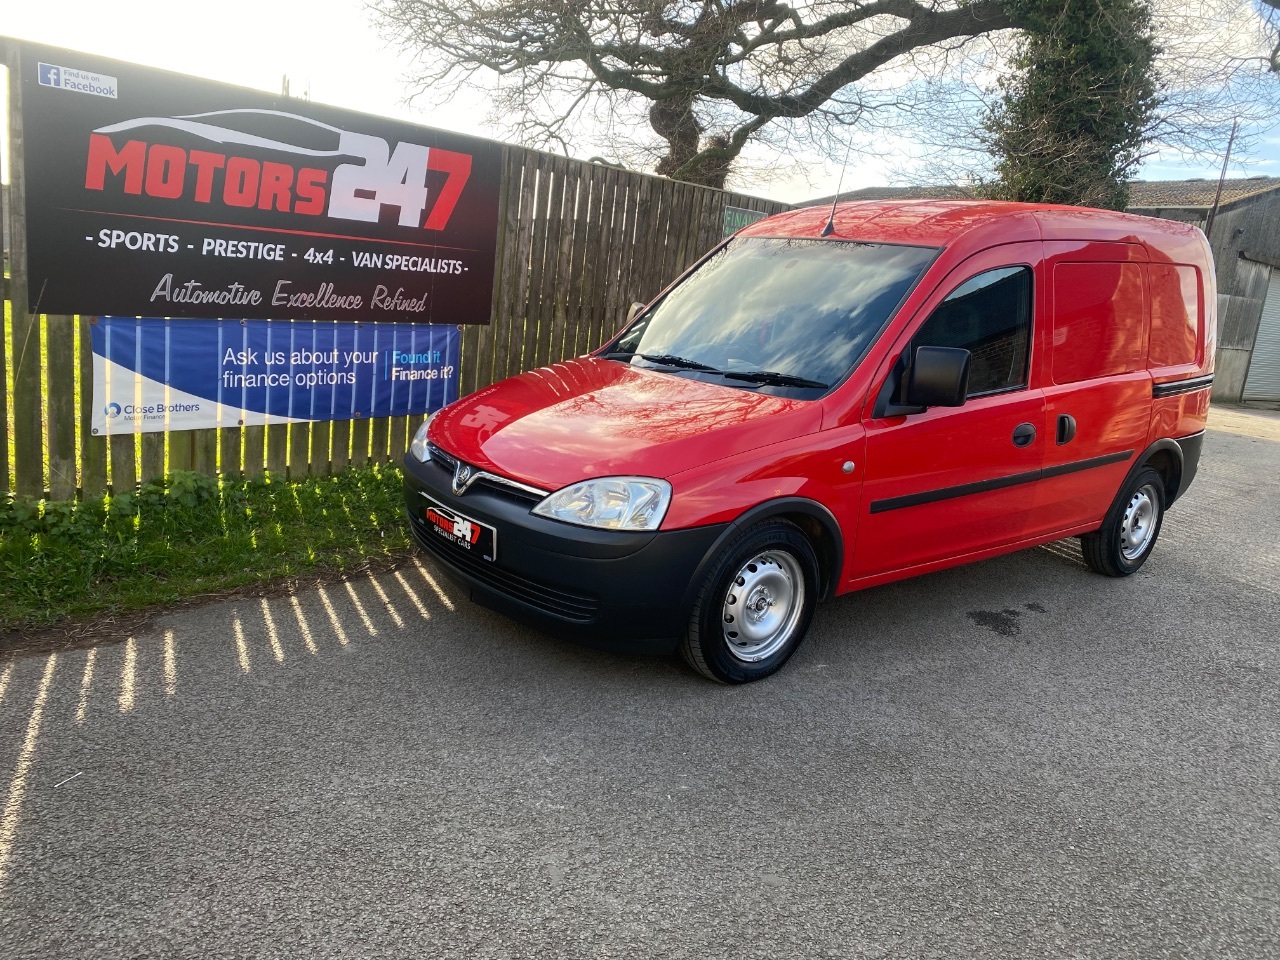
(990, 316)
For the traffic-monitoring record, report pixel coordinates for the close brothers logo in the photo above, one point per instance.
(311, 185)
(150, 411)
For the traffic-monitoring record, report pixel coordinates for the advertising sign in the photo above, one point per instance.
(735, 218)
(157, 194)
(152, 375)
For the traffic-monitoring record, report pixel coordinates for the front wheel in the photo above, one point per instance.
(755, 605)
(1128, 534)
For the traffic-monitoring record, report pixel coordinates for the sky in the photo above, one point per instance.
(330, 48)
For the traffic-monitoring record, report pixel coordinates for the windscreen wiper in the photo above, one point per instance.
(773, 378)
(666, 359)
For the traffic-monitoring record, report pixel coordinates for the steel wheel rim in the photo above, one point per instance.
(762, 605)
(1138, 527)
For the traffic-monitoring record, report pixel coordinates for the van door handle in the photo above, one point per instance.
(1066, 428)
(1023, 434)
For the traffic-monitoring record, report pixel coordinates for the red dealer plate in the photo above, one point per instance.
(475, 537)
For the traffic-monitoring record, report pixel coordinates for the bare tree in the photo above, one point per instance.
(1272, 16)
(1213, 70)
(706, 76)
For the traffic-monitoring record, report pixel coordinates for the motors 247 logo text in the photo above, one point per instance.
(222, 175)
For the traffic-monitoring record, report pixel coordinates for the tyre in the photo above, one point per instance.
(1128, 534)
(755, 605)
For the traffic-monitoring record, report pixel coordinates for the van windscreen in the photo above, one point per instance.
(789, 316)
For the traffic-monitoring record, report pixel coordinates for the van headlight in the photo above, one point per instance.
(419, 446)
(610, 503)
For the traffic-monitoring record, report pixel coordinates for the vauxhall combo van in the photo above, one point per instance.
(828, 401)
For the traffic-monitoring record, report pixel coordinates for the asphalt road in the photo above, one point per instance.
(1014, 759)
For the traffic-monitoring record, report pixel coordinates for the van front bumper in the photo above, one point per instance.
(618, 590)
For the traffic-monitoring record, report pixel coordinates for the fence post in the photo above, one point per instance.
(93, 449)
(151, 466)
(28, 448)
(60, 378)
(4, 337)
(255, 447)
(124, 463)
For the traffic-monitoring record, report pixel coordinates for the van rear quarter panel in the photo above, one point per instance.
(1179, 416)
(1185, 414)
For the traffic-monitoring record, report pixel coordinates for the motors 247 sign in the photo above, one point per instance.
(156, 194)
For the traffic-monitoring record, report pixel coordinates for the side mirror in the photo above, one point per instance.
(634, 311)
(939, 377)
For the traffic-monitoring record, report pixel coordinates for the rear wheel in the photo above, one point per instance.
(755, 605)
(1128, 534)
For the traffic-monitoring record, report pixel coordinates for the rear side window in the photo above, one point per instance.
(990, 316)
(1176, 315)
(1098, 320)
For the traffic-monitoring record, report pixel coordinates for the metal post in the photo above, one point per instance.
(1217, 198)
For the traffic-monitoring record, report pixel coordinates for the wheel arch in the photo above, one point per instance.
(814, 520)
(1165, 456)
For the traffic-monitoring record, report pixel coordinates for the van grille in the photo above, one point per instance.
(556, 601)
(446, 460)
(448, 463)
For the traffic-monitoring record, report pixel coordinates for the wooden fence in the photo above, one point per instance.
(577, 244)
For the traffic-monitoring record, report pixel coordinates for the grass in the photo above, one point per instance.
(189, 536)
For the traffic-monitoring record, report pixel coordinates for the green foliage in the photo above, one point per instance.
(189, 535)
(1078, 106)
(189, 489)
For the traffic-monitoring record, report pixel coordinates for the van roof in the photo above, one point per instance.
(983, 223)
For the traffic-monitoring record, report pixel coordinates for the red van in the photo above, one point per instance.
(823, 404)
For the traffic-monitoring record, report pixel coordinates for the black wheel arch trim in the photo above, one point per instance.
(1178, 483)
(831, 559)
(1163, 445)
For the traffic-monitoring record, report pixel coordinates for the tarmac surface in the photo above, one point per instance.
(1014, 759)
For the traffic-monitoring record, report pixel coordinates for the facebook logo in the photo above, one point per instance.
(77, 81)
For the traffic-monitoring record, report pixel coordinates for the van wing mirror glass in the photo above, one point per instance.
(634, 311)
(939, 377)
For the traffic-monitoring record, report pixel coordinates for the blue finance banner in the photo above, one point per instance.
(153, 375)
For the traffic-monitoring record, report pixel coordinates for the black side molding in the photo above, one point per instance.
(998, 483)
(1078, 465)
(1181, 386)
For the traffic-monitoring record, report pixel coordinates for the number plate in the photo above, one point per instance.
(475, 537)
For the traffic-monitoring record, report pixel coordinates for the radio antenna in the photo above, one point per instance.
(831, 220)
